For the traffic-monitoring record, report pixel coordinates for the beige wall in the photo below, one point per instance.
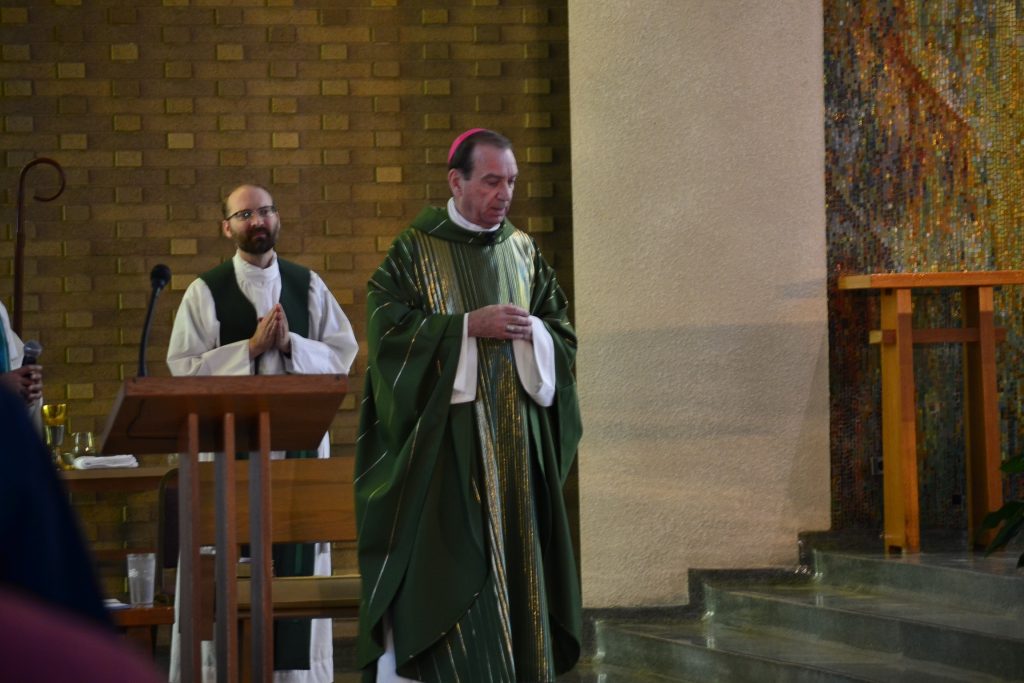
(699, 249)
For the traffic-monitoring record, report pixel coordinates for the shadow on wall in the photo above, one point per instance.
(703, 381)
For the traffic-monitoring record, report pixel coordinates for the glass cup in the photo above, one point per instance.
(141, 578)
(84, 443)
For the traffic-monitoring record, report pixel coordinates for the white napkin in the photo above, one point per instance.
(93, 462)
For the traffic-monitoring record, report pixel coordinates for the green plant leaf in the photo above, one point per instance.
(1013, 465)
(1009, 510)
(1010, 529)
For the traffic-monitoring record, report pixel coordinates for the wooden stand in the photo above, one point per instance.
(981, 404)
(224, 415)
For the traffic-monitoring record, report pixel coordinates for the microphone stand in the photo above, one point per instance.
(159, 276)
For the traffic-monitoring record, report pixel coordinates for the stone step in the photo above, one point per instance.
(984, 583)
(708, 651)
(911, 625)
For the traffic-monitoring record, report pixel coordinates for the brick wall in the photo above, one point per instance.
(344, 108)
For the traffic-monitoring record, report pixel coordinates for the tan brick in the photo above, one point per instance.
(284, 70)
(436, 51)
(334, 87)
(18, 124)
(124, 52)
(384, 34)
(75, 212)
(17, 88)
(77, 283)
(537, 119)
(179, 105)
(337, 157)
(389, 174)
(178, 70)
(286, 176)
(78, 354)
(489, 103)
(386, 104)
(387, 69)
(14, 15)
(434, 16)
(16, 53)
(128, 195)
(488, 69)
(285, 140)
(486, 34)
(127, 122)
(284, 105)
(122, 15)
(78, 319)
(387, 138)
(127, 301)
(437, 122)
(231, 122)
(128, 158)
(80, 391)
(229, 157)
(70, 70)
(230, 53)
(231, 89)
(437, 87)
(184, 247)
(176, 34)
(181, 176)
(383, 3)
(540, 189)
(539, 155)
(334, 52)
(537, 86)
(535, 224)
(281, 34)
(535, 15)
(536, 51)
(180, 141)
(335, 122)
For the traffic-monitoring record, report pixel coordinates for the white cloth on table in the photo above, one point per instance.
(97, 462)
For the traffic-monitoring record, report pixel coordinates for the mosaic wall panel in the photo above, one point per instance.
(924, 172)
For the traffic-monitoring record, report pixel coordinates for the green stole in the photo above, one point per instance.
(237, 317)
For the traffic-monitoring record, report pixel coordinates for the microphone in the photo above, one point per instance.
(158, 277)
(32, 351)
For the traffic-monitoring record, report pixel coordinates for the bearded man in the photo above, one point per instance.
(259, 314)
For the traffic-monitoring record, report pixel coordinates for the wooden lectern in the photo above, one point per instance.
(224, 415)
(899, 411)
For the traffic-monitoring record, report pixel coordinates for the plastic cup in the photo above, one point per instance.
(141, 578)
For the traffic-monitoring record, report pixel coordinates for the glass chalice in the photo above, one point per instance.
(55, 420)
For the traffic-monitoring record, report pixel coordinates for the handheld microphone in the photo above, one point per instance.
(32, 351)
(158, 277)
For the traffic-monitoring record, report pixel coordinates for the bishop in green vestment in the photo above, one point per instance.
(469, 426)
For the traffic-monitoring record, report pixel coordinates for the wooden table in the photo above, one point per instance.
(115, 479)
(981, 402)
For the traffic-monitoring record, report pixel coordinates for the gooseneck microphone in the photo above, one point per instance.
(31, 354)
(159, 277)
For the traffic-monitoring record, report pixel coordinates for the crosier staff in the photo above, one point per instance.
(19, 235)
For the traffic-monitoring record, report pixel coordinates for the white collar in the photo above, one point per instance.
(464, 222)
(248, 271)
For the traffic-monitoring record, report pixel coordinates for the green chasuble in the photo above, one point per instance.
(237, 318)
(463, 535)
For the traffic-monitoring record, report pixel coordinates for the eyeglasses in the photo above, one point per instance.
(246, 214)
